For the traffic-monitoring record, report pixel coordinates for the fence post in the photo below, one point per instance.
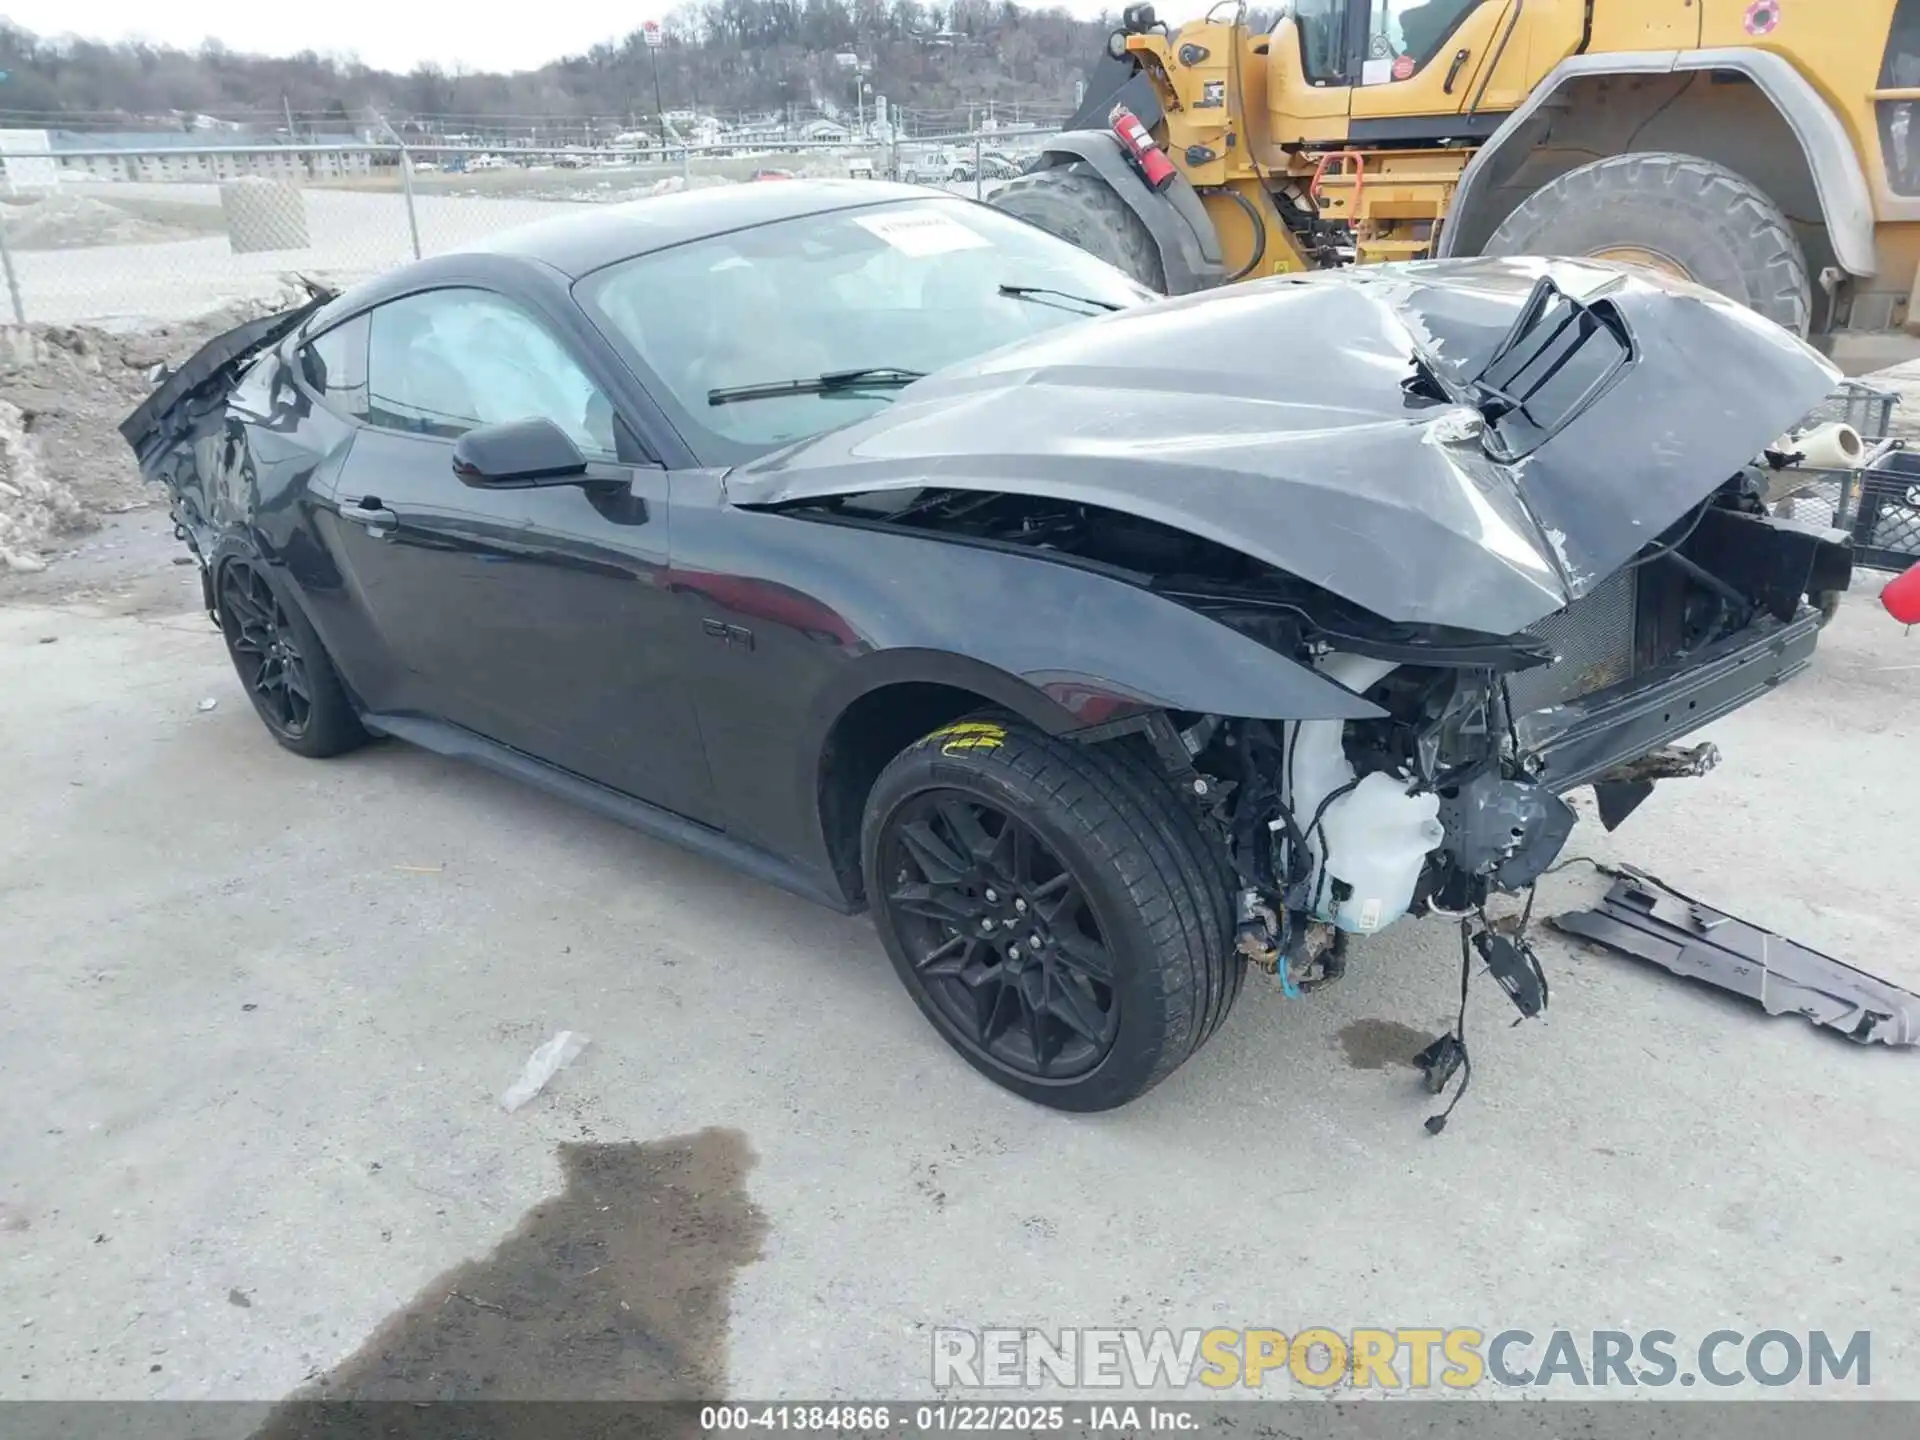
(979, 180)
(13, 281)
(406, 185)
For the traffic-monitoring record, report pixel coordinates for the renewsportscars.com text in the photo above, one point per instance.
(1409, 1358)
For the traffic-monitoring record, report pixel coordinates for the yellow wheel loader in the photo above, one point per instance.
(1764, 148)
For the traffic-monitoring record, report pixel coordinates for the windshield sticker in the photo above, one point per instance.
(923, 234)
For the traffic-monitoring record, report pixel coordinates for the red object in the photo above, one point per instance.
(1340, 158)
(1139, 142)
(1902, 597)
(1403, 68)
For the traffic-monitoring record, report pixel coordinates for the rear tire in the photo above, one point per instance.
(991, 820)
(1702, 218)
(1083, 210)
(284, 668)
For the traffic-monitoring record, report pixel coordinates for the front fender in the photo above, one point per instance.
(1066, 646)
(1846, 200)
(829, 612)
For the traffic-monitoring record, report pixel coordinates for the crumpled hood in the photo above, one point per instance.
(1272, 417)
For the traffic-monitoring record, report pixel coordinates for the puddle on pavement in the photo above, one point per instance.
(1378, 1044)
(615, 1289)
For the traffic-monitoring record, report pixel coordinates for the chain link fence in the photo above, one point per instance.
(123, 238)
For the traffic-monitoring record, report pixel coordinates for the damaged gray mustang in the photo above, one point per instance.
(912, 559)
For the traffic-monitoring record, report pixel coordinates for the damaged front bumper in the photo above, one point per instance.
(1570, 744)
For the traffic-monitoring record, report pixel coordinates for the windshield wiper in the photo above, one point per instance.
(1039, 292)
(870, 377)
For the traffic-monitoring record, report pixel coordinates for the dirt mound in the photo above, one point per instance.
(63, 392)
(65, 222)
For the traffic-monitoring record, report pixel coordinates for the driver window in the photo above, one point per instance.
(444, 361)
(1413, 29)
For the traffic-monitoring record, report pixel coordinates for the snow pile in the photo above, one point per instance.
(63, 392)
(674, 184)
(33, 510)
(609, 192)
(62, 221)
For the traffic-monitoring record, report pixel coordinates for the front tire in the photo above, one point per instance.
(1054, 909)
(283, 666)
(1676, 213)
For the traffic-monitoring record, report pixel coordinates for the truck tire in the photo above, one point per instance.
(988, 835)
(1083, 210)
(1678, 213)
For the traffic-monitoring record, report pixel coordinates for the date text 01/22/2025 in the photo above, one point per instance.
(960, 1418)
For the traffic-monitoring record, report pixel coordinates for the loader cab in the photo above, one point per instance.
(1410, 71)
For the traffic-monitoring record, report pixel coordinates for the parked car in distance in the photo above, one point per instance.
(906, 556)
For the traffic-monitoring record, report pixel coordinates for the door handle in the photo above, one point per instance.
(1453, 71)
(370, 513)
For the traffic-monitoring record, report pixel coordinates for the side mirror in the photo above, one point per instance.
(517, 455)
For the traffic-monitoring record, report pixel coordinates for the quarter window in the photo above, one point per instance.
(445, 361)
(334, 365)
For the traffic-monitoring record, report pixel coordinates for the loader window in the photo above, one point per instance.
(1323, 40)
(1900, 70)
(1417, 29)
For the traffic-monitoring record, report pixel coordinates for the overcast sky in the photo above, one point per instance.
(393, 36)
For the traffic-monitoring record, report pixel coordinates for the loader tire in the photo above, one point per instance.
(1083, 210)
(1145, 945)
(1678, 213)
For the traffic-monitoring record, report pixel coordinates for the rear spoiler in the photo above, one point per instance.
(147, 430)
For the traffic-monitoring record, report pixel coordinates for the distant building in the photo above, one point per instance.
(826, 132)
(759, 130)
(165, 155)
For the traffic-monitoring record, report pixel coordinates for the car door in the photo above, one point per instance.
(417, 550)
(567, 655)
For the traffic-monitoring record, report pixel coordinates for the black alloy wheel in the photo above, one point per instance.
(1001, 937)
(267, 651)
(1054, 908)
(287, 672)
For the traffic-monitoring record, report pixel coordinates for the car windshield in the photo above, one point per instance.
(910, 286)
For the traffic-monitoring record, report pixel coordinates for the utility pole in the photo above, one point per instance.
(654, 41)
(287, 106)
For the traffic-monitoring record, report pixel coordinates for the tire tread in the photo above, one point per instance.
(1769, 258)
(1131, 821)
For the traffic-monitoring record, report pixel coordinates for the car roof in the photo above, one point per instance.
(601, 234)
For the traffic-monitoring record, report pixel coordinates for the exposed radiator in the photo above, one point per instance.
(1593, 639)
